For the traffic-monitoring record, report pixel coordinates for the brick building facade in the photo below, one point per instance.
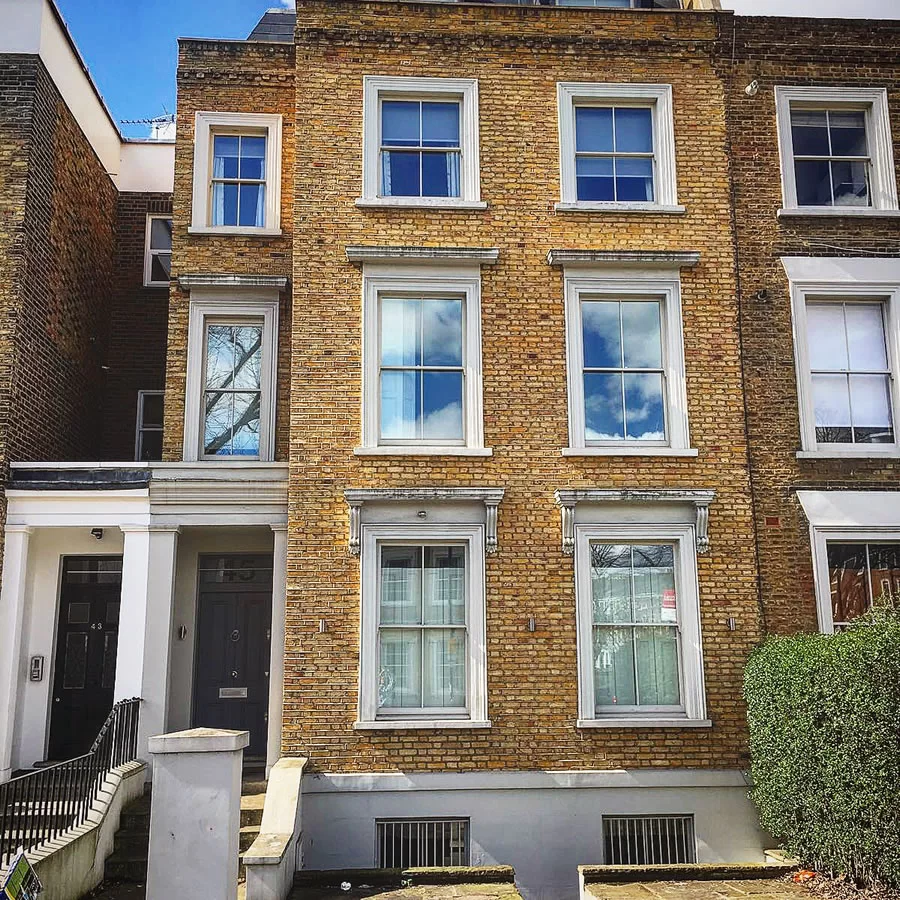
(494, 437)
(835, 253)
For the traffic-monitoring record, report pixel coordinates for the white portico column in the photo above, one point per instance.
(12, 615)
(276, 646)
(145, 624)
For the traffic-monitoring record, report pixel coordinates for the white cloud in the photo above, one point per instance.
(841, 9)
(288, 4)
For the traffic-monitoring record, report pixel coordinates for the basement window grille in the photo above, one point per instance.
(648, 840)
(411, 843)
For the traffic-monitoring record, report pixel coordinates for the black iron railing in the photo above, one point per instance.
(40, 806)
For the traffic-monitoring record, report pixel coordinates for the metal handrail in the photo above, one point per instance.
(37, 807)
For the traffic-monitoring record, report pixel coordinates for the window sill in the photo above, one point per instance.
(156, 284)
(586, 206)
(813, 212)
(419, 203)
(233, 230)
(422, 451)
(892, 453)
(392, 724)
(629, 451)
(641, 722)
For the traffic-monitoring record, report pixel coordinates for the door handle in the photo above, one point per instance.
(56, 699)
(234, 674)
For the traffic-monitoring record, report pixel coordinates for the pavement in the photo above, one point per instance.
(422, 892)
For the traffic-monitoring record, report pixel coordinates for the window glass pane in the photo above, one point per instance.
(442, 405)
(252, 205)
(401, 586)
(884, 566)
(593, 129)
(399, 682)
(160, 266)
(245, 437)
(151, 446)
(160, 234)
(253, 158)
(217, 425)
(851, 183)
(225, 156)
(644, 416)
(594, 178)
(614, 667)
(813, 182)
(634, 180)
(604, 415)
(827, 336)
(601, 334)
(400, 123)
(654, 583)
(634, 130)
(870, 398)
(848, 134)
(224, 204)
(656, 650)
(78, 614)
(440, 124)
(400, 324)
(809, 132)
(399, 404)
(865, 337)
(444, 590)
(847, 571)
(400, 173)
(219, 355)
(152, 410)
(444, 667)
(831, 399)
(440, 174)
(611, 583)
(247, 356)
(641, 330)
(442, 332)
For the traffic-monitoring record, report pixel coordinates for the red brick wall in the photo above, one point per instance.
(794, 52)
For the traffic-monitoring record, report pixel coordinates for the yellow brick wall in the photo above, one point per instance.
(517, 55)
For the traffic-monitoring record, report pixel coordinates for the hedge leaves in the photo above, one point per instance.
(824, 714)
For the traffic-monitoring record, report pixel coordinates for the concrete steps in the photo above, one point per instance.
(253, 799)
(128, 861)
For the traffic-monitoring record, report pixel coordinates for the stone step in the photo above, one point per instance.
(249, 833)
(126, 867)
(132, 843)
(252, 786)
(252, 809)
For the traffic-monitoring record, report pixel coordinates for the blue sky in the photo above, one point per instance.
(130, 45)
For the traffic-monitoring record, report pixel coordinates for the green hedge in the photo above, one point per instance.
(824, 713)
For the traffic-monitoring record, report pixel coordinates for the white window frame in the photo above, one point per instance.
(464, 90)
(206, 124)
(450, 281)
(693, 694)
(658, 97)
(622, 284)
(874, 102)
(821, 538)
(373, 536)
(848, 279)
(139, 427)
(205, 310)
(149, 253)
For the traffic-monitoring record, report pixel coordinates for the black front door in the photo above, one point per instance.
(86, 642)
(231, 680)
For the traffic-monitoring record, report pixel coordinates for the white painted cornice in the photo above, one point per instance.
(674, 259)
(480, 255)
(221, 280)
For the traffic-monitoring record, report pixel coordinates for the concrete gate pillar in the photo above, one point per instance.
(195, 814)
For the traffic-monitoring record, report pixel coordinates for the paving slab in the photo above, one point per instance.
(421, 892)
(757, 888)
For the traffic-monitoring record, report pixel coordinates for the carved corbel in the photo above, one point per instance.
(355, 508)
(566, 504)
(490, 525)
(702, 527)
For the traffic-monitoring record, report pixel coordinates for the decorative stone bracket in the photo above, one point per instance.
(491, 498)
(568, 500)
